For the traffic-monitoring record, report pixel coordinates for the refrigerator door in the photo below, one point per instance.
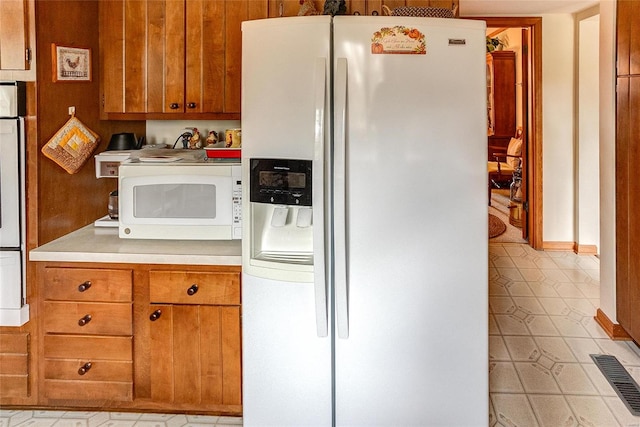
(411, 250)
(286, 342)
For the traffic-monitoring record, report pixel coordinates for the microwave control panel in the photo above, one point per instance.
(237, 201)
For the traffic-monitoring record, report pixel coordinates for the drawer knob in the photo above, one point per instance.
(86, 319)
(86, 285)
(155, 315)
(174, 106)
(192, 289)
(191, 105)
(84, 368)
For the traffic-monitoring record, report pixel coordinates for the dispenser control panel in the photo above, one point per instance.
(281, 181)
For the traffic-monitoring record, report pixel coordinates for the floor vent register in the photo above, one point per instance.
(620, 380)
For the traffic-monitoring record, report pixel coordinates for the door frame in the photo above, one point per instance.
(534, 131)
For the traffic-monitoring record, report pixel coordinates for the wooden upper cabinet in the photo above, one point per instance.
(14, 35)
(205, 56)
(177, 57)
(627, 157)
(502, 100)
(628, 37)
(357, 7)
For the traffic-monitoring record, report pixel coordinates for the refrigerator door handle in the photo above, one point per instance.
(339, 202)
(319, 276)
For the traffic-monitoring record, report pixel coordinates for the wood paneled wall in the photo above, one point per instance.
(66, 202)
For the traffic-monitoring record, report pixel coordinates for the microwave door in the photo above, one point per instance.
(189, 202)
(177, 203)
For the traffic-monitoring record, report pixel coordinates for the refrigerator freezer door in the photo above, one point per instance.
(415, 224)
(286, 342)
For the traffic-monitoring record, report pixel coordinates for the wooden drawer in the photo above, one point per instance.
(184, 287)
(87, 284)
(88, 348)
(14, 365)
(87, 318)
(88, 370)
(14, 355)
(95, 391)
(14, 385)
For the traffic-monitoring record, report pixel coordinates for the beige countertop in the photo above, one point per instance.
(102, 244)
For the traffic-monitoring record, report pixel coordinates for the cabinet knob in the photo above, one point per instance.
(174, 105)
(83, 287)
(191, 105)
(155, 315)
(86, 319)
(84, 368)
(192, 289)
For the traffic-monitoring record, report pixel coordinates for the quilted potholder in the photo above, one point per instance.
(72, 145)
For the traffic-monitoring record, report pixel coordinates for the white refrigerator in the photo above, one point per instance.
(365, 242)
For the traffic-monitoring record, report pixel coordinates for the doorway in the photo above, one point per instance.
(532, 122)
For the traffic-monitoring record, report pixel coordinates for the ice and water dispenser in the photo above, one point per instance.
(281, 220)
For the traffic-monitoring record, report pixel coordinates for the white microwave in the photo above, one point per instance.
(194, 201)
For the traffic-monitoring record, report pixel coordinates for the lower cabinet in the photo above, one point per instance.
(139, 337)
(195, 338)
(194, 354)
(87, 334)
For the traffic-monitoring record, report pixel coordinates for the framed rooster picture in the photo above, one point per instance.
(70, 63)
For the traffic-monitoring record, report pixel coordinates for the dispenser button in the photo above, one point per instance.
(304, 217)
(279, 217)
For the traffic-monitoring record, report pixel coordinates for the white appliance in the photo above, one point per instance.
(107, 162)
(13, 308)
(367, 306)
(167, 197)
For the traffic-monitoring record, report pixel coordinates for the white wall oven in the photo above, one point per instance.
(13, 308)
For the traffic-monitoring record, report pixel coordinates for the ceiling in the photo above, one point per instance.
(522, 7)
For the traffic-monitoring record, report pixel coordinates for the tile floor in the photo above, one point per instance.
(10, 418)
(541, 332)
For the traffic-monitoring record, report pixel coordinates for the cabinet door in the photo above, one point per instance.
(628, 37)
(627, 205)
(142, 48)
(504, 93)
(195, 354)
(175, 56)
(627, 158)
(14, 35)
(123, 56)
(205, 56)
(165, 56)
